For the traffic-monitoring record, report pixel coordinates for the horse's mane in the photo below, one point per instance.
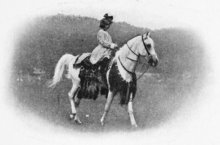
(128, 39)
(117, 53)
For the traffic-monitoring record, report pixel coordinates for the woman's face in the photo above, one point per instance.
(107, 26)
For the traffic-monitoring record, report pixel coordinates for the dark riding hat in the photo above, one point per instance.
(107, 20)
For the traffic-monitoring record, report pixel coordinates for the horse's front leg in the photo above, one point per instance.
(107, 107)
(130, 111)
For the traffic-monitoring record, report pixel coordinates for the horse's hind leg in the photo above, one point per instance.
(77, 102)
(73, 92)
(130, 111)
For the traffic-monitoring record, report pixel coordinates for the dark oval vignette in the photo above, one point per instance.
(161, 91)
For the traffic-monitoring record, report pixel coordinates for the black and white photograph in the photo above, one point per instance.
(110, 72)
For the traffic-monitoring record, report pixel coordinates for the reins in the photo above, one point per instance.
(142, 37)
(132, 51)
(124, 66)
(137, 61)
(143, 72)
(138, 55)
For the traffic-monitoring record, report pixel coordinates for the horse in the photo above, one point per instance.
(120, 76)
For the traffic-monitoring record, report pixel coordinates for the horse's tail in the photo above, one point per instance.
(58, 73)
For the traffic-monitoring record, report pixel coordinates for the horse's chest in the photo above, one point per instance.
(117, 83)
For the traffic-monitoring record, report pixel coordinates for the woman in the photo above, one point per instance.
(103, 50)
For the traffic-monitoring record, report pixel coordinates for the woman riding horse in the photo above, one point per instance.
(104, 49)
(120, 75)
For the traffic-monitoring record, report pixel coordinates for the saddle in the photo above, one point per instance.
(95, 72)
(93, 78)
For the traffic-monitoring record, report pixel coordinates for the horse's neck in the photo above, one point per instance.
(126, 55)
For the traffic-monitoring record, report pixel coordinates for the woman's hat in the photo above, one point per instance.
(107, 19)
(110, 18)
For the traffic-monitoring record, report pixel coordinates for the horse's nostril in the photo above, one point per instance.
(153, 62)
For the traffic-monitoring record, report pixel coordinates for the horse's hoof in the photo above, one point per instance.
(102, 123)
(134, 126)
(78, 122)
(72, 116)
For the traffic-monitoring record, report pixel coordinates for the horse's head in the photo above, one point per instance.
(147, 49)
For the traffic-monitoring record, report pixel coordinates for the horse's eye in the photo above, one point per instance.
(148, 46)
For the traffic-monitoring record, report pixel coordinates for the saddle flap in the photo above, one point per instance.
(81, 57)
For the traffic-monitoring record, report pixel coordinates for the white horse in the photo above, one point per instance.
(120, 76)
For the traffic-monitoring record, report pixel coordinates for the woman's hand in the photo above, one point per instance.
(113, 45)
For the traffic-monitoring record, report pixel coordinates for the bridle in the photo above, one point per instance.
(142, 37)
(138, 55)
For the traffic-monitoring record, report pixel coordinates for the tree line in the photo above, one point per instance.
(46, 39)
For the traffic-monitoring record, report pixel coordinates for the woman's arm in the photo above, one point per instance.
(104, 42)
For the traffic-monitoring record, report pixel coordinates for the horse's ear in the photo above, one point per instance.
(146, 35)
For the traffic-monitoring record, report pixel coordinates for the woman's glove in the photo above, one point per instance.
(113, 45)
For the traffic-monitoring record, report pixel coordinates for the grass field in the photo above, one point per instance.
(156, 100)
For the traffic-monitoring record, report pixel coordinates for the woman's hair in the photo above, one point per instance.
(107, 20)
(102, 25)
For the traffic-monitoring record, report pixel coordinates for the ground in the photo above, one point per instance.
(157, 99)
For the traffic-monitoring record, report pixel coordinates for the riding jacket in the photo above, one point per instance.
(104, 47)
